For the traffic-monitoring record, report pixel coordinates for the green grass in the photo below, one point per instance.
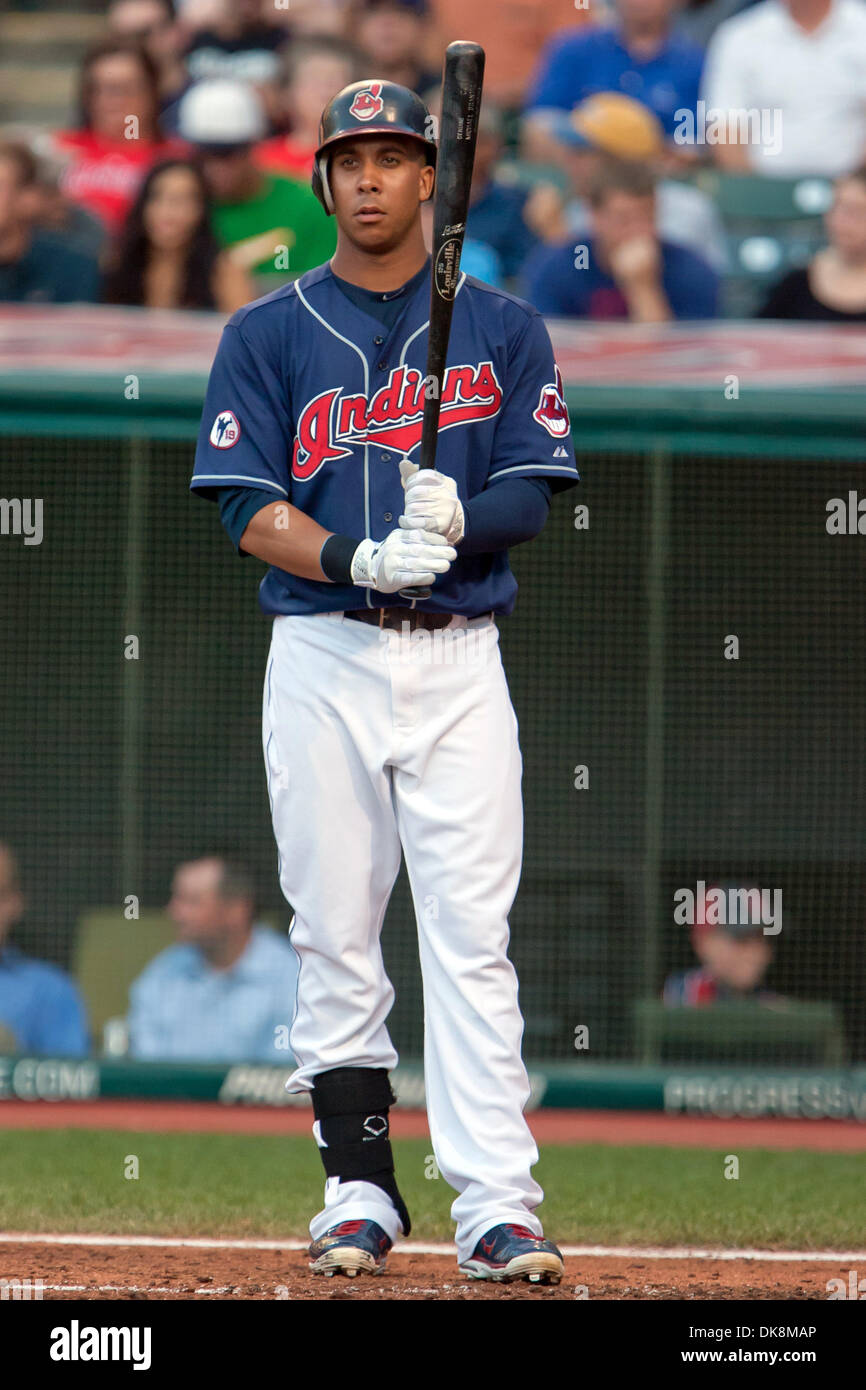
(224, 1185)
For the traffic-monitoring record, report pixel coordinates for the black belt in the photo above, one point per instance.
(396, 617)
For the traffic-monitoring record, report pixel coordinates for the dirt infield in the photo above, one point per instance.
(548, 1126)
(126, 1273)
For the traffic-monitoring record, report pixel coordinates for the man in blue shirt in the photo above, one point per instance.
(226, 991)
(641, 55)
(41, 1010)
(623, 271)
(496, 210)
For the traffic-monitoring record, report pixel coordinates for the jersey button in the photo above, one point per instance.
(382, 366)
(378, 341)
(385, 458)
(388, 516)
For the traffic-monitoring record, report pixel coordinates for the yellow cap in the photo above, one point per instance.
(618, 125)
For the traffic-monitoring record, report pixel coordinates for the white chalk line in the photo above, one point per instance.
(127, 1288)
(410, 1247)
(225, 1289)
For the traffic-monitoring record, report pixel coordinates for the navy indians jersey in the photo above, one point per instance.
(316, 402)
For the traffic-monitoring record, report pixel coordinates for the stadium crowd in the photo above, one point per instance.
(637, 160)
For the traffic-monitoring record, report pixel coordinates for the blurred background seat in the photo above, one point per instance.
(801, 1033)
(749, 197)
(772, 226)
(110, 951)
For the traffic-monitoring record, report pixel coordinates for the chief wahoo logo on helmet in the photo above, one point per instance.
(551, 411)
(368, 102)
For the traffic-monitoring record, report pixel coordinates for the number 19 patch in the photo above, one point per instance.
(225, 431)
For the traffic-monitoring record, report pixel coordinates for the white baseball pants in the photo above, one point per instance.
(375, 739)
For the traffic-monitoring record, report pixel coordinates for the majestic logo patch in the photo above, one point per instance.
(551, 411)
(225, 431)
(368, 102)
(331, 425)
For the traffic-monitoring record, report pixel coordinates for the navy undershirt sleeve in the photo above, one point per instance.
(505, 514)
(237, 505)
(501, 516)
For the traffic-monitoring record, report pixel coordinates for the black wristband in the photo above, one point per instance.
(335, 557)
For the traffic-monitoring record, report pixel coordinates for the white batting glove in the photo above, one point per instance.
(432, 502)
(405, 558)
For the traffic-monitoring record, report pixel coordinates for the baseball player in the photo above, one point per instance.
(387, 723)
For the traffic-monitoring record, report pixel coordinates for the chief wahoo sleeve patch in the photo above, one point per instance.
(551, 411)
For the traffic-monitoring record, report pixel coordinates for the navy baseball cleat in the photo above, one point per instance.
(353, 1247)
(507, 1253)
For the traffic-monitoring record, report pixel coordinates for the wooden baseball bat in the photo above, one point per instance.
(462, 81)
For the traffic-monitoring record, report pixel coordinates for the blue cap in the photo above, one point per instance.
(563, 130)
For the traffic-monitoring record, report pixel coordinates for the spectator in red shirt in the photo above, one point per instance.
(314, 70)
(119, 137)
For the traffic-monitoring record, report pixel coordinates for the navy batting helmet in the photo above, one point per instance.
(369, 108)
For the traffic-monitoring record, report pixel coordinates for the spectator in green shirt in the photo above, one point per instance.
(274, 227)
